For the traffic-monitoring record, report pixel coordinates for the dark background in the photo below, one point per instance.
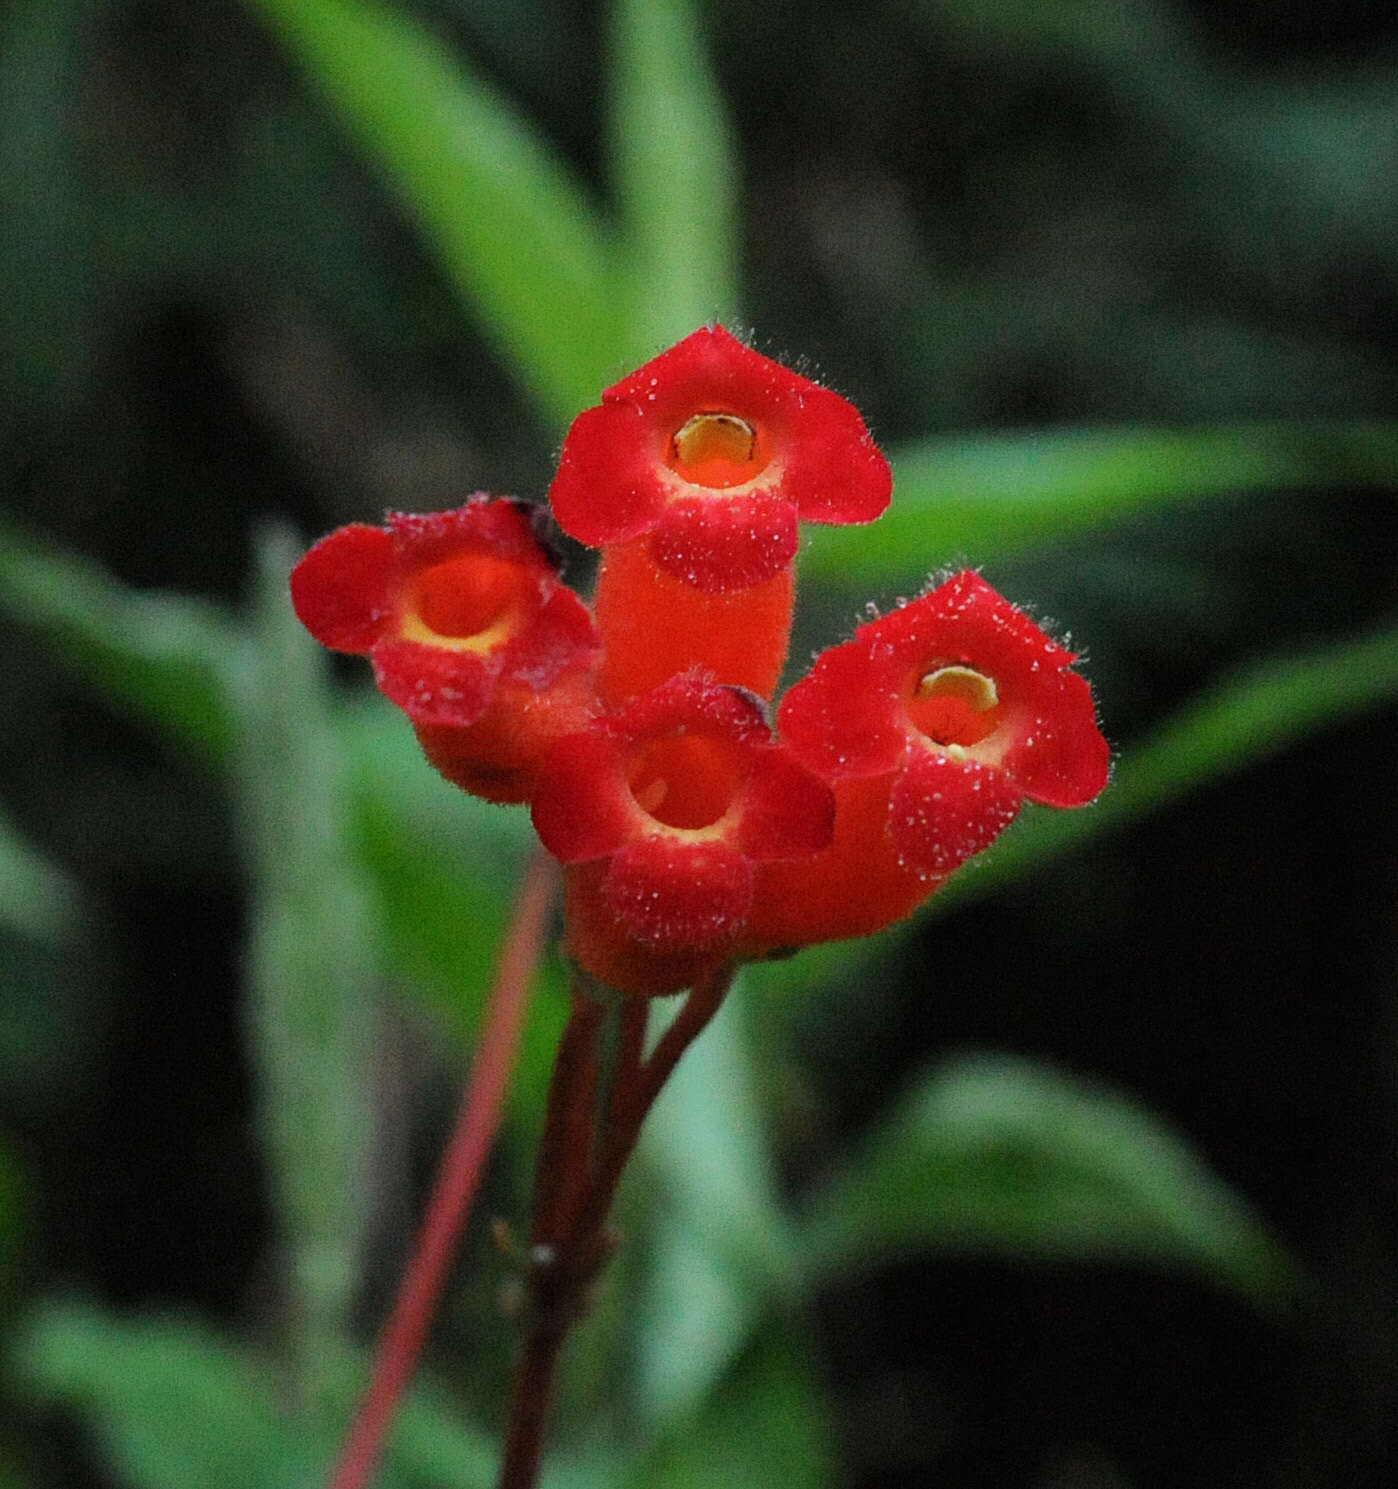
(211, 312)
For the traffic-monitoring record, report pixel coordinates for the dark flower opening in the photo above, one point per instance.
(717, 450)
(469, 596)
(954, 705)
(687, 781)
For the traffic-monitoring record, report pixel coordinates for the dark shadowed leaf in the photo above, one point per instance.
(675, 161)
(514, 230)
(981, 497)
(162, 654)
(992, 1154)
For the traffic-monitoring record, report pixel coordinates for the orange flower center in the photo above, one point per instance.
(715, 449)
(467, 597)
(954, 705)
(686, 780)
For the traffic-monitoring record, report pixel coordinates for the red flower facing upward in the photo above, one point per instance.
(468, 629)
(676, 797)
(715, 451)
(967, 704)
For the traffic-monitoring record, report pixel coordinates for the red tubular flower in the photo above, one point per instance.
(468, 629)
(666, 806)
(856, 886)
(656, 625)
(965, 707)
(715, 450)
(692, 474)
(498, 757)
(599, 942)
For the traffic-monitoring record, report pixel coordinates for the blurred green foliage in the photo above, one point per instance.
(588, 186)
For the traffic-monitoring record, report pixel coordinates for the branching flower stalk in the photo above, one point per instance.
(594, 1121)
(701, 823)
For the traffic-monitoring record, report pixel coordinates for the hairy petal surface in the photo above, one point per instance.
(342, 589)
(716, 450)
(583, 808)
(433, 685)
(942, 810)
(669, 893)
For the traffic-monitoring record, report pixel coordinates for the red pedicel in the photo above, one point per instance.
(468, 629)
(680, 794)
(966, 705)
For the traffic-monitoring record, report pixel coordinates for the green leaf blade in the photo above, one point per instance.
(41, 901)
(172, 1403)
(314, 960)
(764, 1423)
(992, 1154)
(675, 161)
(517, 235)
(981, 497)
(724, 1254)
(164, 655)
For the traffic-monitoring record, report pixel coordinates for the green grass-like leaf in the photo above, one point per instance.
(982, 497)
(177, 1405)
(766, 1423)
(41, 900)
(314, 958)
(533, 259)
(164, 655)
(994, 1154)
(726, 1253)
(173, 1404)
(675, 163)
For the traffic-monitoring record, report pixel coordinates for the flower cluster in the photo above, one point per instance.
(640, 729)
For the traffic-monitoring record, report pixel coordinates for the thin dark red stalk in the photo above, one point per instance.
(403, 1336)
(592, 1159)
(631, 1048)
(633, 1096)
(530, 1398)
(564, 1150)
(701, 1005)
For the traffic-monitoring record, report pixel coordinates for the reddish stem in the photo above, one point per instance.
(566, 1146)
(529, 1405)
(633, 1096)
(402, 1339)
(631, 1048)
(585, 1164)
(701, 1005)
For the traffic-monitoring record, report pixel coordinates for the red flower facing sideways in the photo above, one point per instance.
(677, 796)
(468, 629)
(967, 705)
(714, 451)
(444, 604)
